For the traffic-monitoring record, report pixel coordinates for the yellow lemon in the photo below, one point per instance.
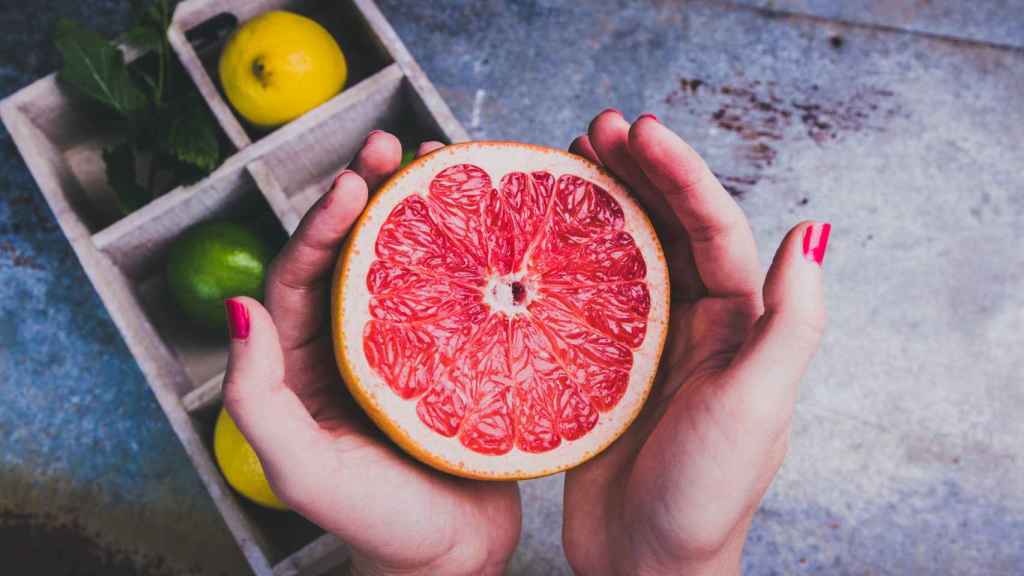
(240, 465)
(278, 66)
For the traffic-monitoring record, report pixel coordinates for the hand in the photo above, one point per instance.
(321, 455)
(677, 492)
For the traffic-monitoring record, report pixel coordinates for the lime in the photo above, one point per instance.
(211, 262)
(240, 465)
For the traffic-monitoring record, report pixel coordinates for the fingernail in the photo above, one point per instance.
(370, 135)
(612, 110)
(648, 115)
(238, 319)
(329, 196)
(816, 241)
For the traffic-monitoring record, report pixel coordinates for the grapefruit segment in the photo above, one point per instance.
(501, 239)
(412, 237)
(584, 209)
(484, 372)
(489, 429)
(410, 357)
(515, 214)
(576, 415)
(404, 356)
(457, 197)
(500, 308)
(535, 380)
(616, 309)
(402, 294)
(443, 407)
(607, 258)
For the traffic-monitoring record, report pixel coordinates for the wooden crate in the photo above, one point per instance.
(275, 175)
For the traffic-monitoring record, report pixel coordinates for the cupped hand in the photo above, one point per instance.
(677, 492)
(321, 455)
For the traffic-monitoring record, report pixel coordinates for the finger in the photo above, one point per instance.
(380, 156)
(269, 414)
(765, 374)
(581, 147)
(296, 283)
(428, 147)
(609, 135)
(720, 238)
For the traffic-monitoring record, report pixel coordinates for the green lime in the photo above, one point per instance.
(214, 261)
(407, 157)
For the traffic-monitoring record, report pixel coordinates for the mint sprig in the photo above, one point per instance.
(170, 132)
(97, 69)
(190, 137)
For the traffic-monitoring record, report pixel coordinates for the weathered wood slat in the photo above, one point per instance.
(205, 396)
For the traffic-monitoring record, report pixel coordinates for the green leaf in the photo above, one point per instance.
(96, 68)
(121, 177)
(190, 134)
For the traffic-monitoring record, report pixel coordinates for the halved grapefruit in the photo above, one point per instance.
(500, 308)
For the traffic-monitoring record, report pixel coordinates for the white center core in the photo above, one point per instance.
(509, 294)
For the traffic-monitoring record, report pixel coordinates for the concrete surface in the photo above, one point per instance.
(906, 454)
(993, 21)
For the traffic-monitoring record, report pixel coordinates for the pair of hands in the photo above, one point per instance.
(675, 494)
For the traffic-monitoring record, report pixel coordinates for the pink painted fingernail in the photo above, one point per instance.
(612, 110)
(648, 115)
(816, 241)
(238, 319)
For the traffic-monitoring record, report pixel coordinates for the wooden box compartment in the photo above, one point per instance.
(71, 133)
(138, 245)
(200, 31)
(269, 178)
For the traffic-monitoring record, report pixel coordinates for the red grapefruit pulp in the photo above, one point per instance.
(500, 308)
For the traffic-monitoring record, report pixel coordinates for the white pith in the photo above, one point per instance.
(497, 159)
(499, 297)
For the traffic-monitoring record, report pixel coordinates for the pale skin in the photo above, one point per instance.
(674, 495)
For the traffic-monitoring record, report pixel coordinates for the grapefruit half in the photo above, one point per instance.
(499, 309)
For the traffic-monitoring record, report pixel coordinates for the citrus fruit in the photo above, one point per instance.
(280, 65)
(213, 261)
(240, 465)
(500, 308)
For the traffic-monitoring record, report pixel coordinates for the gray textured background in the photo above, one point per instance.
(899, 121)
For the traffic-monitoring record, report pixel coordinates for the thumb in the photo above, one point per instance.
(268, 413)
(766, 372)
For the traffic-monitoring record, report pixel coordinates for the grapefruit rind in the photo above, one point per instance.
(397, 417)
